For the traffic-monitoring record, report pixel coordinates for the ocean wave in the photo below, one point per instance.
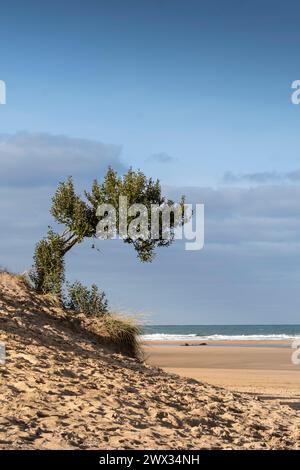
(215, 337)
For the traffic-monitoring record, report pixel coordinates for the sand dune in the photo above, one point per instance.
(62, 389)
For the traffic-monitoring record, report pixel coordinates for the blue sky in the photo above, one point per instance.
(187, 91)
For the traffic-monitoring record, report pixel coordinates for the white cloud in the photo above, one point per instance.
(44, 159)
(161, 157)
(239, 216)
(263, 177)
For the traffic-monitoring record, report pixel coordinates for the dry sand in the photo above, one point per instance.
(61, 388)
(263, 367)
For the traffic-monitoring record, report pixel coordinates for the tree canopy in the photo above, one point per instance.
(78, 216)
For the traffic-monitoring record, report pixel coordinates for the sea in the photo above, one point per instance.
(220, 332)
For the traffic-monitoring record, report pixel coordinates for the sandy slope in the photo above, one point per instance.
(60, 389)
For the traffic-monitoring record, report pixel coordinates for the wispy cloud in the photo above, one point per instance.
(243, 216)
(161, 157)
(44, 159)
(264, 177)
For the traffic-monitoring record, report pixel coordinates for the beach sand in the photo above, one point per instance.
(62, 387)
(254, 367)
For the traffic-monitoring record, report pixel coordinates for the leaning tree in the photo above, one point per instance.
(78, 216)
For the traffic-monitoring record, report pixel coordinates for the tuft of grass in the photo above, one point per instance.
(123, 332)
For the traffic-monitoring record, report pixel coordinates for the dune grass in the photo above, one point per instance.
(124, 332)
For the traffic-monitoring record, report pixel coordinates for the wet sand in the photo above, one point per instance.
(255, 367)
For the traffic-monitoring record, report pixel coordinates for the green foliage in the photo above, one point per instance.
(70, 210)
(81, 299)
(139, 190)
(48, 272)
(78, 216)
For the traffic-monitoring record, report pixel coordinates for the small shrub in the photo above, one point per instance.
(47, 274)
(81, 299)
